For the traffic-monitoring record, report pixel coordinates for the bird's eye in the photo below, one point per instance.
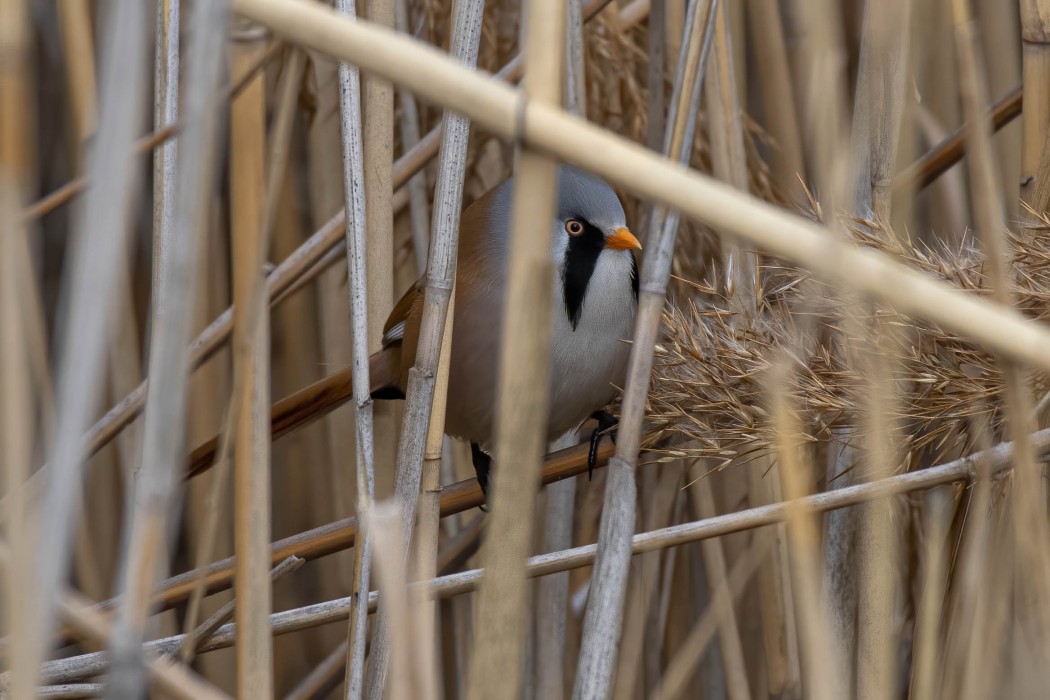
(573, 227)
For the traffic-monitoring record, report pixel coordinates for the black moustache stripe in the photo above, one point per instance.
(580, 261)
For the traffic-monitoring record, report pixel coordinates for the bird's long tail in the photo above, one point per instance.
(316, 400)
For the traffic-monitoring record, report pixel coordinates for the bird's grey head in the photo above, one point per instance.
(582, 195)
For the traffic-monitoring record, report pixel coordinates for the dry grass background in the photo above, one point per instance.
(768, 384)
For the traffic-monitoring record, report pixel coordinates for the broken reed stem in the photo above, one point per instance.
(356, 255)
(322, 678)
(728, 588)
(17, 425)
(171, 677)
(251, 361)
(419, 407)
(523, 387)
(193, 641)
(604, 615)
(98, 258)
(992, 463)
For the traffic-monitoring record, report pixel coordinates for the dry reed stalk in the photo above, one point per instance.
(378, 152)
(880, 104)
(407, 679)
(177, 236)
(17, 426)
(879, 607)
(523, 386)
(741, 283)
(420, 405)
(823, 668)
(643, 586)
(357, 251)
(429, 508)
(991, 463)
(718, 577)
(71, 690)
(766, 29)
(497, 108)
(984, 568)
(418, 204)
(946, 153)
(924, 677)
(1000, 29)
(165, 112)
(1035, 43)
(552, 592)
(603, 619)
(98, 260)
(197, 212)
(251, 362)
(74, 21)
(728, 158)
(1032, 606)
(552, 595)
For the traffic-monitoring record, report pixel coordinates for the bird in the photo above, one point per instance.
(594, 296)
(595, 299)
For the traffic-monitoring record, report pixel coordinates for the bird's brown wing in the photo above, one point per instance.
(394, 328)
(402, 329)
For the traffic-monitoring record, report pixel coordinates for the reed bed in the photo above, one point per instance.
(830, 475)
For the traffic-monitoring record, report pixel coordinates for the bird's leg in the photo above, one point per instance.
(607, 423)
(482, 463)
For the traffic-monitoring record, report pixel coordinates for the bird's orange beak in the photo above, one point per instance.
(622, 239)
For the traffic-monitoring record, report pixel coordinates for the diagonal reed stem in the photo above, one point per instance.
(604, 616)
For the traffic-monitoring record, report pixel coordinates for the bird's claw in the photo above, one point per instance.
(607, 423)
(482, 464)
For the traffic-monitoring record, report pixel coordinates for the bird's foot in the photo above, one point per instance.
(607, 423)
(482, 467)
